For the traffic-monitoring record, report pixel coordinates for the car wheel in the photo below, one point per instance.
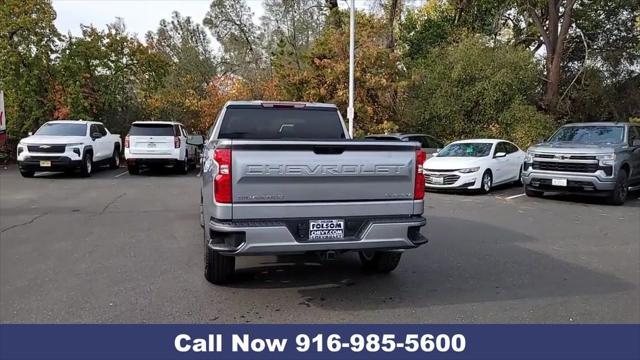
(487, 182)
(115, 159)
(532, 193)
(519, 182)
(87, 165)
(218, 269)
(201, 212)
(183, 166)
(133, 169)
(27, 173)
(379, 261)
(620, 192)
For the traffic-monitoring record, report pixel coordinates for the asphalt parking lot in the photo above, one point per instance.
(116, 248)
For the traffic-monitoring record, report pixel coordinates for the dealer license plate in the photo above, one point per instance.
(559, 182)
(326, 229)
(45, 163)
(438, 180)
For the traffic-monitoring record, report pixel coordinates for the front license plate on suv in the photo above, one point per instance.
(559, 182)
(326, 229)
(45, 163)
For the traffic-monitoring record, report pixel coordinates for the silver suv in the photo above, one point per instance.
(600, 158)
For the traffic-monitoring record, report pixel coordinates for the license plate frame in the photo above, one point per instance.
(559, 182)
(45, 163)
(437, 180)
(326, 230)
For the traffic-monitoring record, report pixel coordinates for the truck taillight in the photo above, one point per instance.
(126, 142)
(176, 142)
(222, 182)
(418, 191)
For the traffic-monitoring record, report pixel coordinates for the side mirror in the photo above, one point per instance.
(30, 133)
(197, 140)
(500, 155)
(96, 135)
(635, 142)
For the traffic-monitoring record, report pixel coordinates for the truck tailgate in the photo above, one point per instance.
(338, 172)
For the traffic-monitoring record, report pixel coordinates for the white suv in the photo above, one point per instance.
(158, 143)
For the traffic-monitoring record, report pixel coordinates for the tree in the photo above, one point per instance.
(185, 47)
(445, 21)
(105, 75)
(231, 23)
(27, 45)
(290, 27)
(553, 18)
(474, 89)
(323, 78)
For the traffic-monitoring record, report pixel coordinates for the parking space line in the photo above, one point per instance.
(515, 196)
(122, 173)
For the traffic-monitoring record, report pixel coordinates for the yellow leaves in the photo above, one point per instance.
(433, 8)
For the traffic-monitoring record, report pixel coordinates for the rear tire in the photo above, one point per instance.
(218, 269)
(183, 166)
(27, 173)
(380, 261)
(620, 192)
(114, 163)
(87, 164)
(133, 169)
(532, 193)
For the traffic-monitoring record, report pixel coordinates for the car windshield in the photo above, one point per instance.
(466, 150)
(62, 129)
(590, 135)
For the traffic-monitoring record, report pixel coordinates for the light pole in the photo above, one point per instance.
(352, 41)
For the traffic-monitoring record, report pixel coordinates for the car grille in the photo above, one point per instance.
(48, 158)
(562, 166)
(448, 179)
(58, 149)
(545, 156)
(568, 157)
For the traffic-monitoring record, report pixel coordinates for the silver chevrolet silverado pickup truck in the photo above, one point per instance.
(284, 178)
(586, 158)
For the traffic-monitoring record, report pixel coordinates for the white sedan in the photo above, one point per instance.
(477, 164)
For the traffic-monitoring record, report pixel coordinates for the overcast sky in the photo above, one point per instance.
(140, 16)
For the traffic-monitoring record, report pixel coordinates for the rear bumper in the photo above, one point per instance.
(151, 162)
(288, 236)
(59, 163)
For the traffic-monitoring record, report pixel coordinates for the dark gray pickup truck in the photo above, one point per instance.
(284, 178)
(587, 158)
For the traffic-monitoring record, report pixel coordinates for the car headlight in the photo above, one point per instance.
(469, 170)
(529, 157)
(607, 159)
